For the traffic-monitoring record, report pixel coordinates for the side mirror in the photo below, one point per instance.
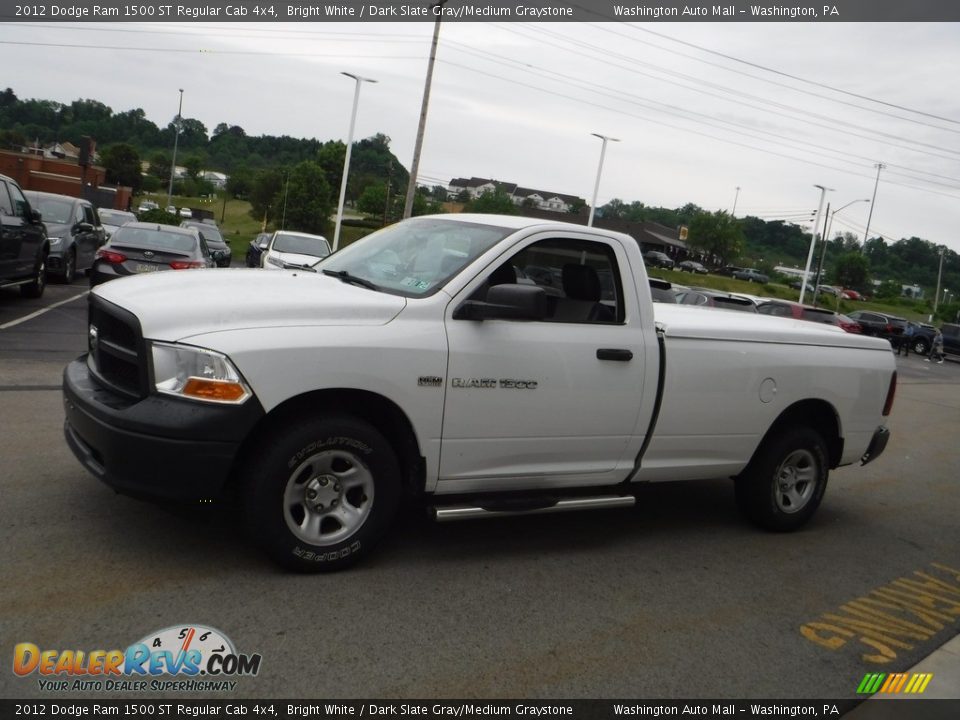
(506, 302)
(83, 227)
(34, 216)
(264, 245)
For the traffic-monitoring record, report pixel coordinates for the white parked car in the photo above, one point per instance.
(186, 212)
(293, 250)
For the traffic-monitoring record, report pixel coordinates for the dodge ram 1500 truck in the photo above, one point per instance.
(490, 365)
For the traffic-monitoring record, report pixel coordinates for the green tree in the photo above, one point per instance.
(717, 234)
(308, 199)
(194, 164)
(373, 200)
(492, 203)
(122, 163)
(851, 269)
(160, 165)
(266, 195)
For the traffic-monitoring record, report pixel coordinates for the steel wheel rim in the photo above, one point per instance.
(42, 275)
(328, 497)
(795, 481)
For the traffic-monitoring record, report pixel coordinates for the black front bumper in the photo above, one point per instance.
(881, 436)
(158, 447)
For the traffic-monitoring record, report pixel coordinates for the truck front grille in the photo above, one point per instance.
(118, 354)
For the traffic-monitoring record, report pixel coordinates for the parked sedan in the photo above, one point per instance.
(255, 250)
(74, 230)
(654, 258)
(751, 275)
(692, 266)
(113, 219)
(294, 250)
(219, 248)
(786, 308)
(148, 247)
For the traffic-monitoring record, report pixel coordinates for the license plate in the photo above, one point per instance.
(142, 268)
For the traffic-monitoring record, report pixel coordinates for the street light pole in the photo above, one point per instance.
(733, 213)
(421, 128)
(813, 240)
(176, 140)
(346, 156)
(826, 239)
(596, 185)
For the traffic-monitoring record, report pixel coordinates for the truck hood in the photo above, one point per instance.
(687, 321)
(179, 304)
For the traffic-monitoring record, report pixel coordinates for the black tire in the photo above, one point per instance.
(39, 284)
(783, 485)
(322, 493)
(921, 346)
(70, 267)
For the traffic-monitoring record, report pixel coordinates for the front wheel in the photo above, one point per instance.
(323, 492)
(921, 347)
(70, 267)
(783, 485)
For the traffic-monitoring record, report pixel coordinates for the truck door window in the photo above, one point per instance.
(20, 203)
(580, 277)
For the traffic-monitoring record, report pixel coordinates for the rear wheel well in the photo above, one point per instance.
(818, 415)
(383, 414)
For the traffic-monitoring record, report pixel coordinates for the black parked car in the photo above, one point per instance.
(222, 254)
(922, 338)
(692, 266)
(23, 242)
(654, 258)
(877, 324)
(148, 247)
(951, 338)
(74, 230)
(256, 249)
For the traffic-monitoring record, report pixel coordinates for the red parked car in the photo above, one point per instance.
(786, 308)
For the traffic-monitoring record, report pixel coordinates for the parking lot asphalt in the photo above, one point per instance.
(675, 598)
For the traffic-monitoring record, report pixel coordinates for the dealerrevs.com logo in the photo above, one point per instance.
(180, 658)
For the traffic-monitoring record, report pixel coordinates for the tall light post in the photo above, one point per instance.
(866, 233)
(596, 185)
(346, 157)
(813, 240)
(176, 140)
(422, 126)
(733, 213)
(826, 239)
(936, 295)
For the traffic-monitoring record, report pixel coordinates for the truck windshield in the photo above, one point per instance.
(417, 257)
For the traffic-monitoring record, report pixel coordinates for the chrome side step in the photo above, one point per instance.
(469, 512)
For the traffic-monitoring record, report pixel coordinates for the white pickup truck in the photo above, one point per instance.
(486, 364)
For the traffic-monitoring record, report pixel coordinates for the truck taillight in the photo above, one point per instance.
(891, 391)
(185, 264)
(114, 258)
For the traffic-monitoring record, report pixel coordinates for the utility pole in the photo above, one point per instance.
(873, 201)
(176, 140)
(386, 205)
(418, 146)
(813, 240)
(733, 213)
(823, 250)
(936, 296)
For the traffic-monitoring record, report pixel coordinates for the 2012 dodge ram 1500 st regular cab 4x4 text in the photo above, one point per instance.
(491, 364)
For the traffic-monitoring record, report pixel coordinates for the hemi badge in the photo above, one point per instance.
(430, 381)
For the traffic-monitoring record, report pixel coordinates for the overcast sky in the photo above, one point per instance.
(700, 109)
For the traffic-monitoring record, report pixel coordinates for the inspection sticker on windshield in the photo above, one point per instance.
(415, 283)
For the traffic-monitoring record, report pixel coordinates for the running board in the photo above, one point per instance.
(469, 512)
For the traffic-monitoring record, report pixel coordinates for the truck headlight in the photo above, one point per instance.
(197, 374)
(55, 241)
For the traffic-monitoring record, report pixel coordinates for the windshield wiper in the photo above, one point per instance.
(346, 277)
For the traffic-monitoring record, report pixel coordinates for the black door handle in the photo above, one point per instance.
(614, 354)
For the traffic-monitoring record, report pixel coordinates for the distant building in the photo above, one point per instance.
(526, 197)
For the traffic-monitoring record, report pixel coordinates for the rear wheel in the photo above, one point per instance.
(783, 485)
(70, 267)
(323, 493)
(921, 346)
(35, 289)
